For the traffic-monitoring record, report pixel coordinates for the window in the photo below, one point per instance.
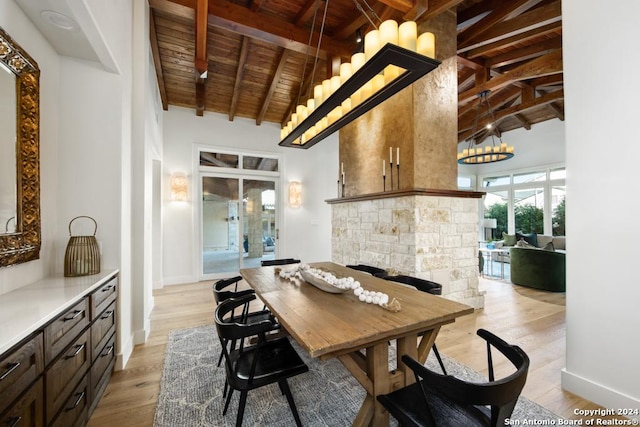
(526, 201)
(238, 161)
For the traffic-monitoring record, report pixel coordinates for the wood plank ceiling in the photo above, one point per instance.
(245, 58)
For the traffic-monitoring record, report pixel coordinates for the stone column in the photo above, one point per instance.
(254, 214)
(421, 120)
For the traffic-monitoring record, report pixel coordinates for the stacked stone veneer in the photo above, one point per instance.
(430, 237)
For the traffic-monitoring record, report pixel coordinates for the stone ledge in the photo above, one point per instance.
(408, 192)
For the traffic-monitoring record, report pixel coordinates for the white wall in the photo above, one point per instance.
(304, 232)
(23, 32)
(543, 145)
(602, 115)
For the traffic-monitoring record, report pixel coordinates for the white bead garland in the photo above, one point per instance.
(369, 297)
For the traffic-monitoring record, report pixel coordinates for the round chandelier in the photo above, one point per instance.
(491, 153)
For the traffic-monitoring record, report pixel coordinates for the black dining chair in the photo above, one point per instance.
(280, 261)
(374, 271)
(253, 366)
(437, 400)
(425, 286)
(221, 292)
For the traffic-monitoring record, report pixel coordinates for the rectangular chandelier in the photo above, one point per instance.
(307, 133)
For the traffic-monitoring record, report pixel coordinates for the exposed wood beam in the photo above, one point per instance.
(556, 109)
(256, 5)
(202, 14)
(157, 62)
(522, 119)
(499, 14)
(274, 84)
(351, 24)
(242, 60)
(200, 98)
(469, 63)
(306, 13)
(403, 6)
(238, 19)
(542, 66)
(436, 7)
(419, 9)
(552, 80)
(520, 108)
(173, 8)
(525, 53)
(509, 42)
(532, 20)
(241, 20)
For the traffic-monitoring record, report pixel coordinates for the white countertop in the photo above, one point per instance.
(29, 308)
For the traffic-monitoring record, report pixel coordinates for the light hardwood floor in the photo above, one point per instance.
(534, 320)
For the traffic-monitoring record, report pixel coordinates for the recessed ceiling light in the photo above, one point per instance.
(59, 20)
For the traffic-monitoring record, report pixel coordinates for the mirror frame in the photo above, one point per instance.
(24, 244)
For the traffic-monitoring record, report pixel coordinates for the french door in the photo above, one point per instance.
(238, 222)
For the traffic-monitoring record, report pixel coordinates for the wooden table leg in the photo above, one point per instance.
(378, 372)
(409, 346)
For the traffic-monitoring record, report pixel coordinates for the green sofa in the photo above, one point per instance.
(538, 268)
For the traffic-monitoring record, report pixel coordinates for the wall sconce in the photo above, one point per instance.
(178, 186)
(295, 194)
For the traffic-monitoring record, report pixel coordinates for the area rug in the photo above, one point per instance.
(326, 396)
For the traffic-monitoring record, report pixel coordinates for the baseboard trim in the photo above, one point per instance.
(597, 393)
(123, 357)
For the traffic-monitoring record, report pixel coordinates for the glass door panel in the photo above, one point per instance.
(259, 221)
(220, 225)
(237, 232)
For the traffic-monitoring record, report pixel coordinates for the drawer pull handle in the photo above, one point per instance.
(75, 353)
(14, 421)
(108, 288)
(109, 350)
(77, 402)
(107, 314)
(76, 313)
(10, 368)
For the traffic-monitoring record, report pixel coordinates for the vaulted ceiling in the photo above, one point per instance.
(245, 58)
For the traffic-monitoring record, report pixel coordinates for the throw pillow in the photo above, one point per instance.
(509, 239)
(549, 247)
(531, 238)
(523, 244)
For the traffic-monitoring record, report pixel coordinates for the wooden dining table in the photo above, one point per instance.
(339, 325)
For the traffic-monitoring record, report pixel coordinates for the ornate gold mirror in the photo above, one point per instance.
(19, 154)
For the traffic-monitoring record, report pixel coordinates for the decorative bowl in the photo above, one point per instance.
(321, 284)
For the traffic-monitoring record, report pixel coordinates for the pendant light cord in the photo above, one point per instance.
(306, 57)
(366, 15)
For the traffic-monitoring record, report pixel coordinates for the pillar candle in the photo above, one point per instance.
(390, 155)
(311, 105)
(388, 32)
(378, 82)
(408, 35)
(345, 71)
(357, 61)
(398, 156)
(326, 89)
(317, 94)
(371, 43)
(384, 171)
(426, 45)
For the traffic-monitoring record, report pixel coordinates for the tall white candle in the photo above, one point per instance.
(342, 168)
(390, 155)
(398, 156)
(371, 43)
(426, 45)
(384, 171)
(407, 35)
(388, 32)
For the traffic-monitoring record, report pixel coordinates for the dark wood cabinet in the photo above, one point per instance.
(57, 375)
(27, 411)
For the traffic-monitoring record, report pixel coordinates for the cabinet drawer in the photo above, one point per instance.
(102, 329)
(65, 372)
(75, 410)
(64, 329)
(103, 297)
(101, 371)
(18, 369)
(26, 411)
